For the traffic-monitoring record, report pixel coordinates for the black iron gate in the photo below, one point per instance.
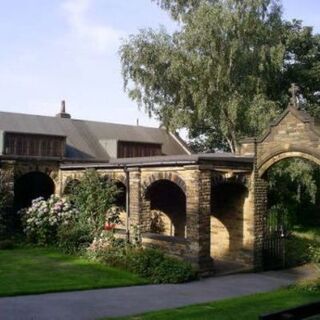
(274, 242)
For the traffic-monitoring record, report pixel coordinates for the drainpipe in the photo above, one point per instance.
(127, 203)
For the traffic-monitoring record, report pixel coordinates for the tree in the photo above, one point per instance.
(213, 73)
(294, 188)
(180, 8)
(224, 74)
(302, 63)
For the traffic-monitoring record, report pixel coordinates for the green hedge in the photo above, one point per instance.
(148, 263)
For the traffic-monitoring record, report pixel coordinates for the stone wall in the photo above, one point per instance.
(176, 247)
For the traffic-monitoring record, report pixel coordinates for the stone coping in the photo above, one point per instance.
(208, 158)
(162, 237)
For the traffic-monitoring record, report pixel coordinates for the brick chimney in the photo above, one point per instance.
(63, 113)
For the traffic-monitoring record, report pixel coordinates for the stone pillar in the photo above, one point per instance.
(198, 218)
(260, 202)
(134, 201)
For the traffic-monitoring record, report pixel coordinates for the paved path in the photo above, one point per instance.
(94, 304)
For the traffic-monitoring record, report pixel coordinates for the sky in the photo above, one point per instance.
(53, 50)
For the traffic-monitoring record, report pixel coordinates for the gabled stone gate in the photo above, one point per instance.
(294, 134)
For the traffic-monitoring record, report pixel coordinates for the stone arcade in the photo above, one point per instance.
(211, 206)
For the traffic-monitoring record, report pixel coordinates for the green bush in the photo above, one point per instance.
(6, 219)
(308, 286)
(300, 250)
(158, 267)
(94, 196)
(151, 264)
(144, 261)
(7, 244)
(172, 270)
(297, 251)
(314, 250)
(3, 226)
(74, 239)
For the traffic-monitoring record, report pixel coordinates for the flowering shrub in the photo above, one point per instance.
(94, 196)
(42, 219)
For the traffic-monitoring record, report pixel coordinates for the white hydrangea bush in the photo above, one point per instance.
(43, 218)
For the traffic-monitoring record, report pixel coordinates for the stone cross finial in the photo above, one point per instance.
(294, 90)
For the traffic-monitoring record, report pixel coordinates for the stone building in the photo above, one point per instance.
(200, 207)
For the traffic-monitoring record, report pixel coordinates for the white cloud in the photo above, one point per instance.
(98, 36)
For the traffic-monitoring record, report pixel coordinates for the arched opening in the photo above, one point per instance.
(167, 204)
(121, 196)
(70, 187)
(292, 223)
(228, 205)
(121, 203)
(31, 186)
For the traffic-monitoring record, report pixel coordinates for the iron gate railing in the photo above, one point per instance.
(274, 241)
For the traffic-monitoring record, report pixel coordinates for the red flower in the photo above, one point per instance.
(109, 226)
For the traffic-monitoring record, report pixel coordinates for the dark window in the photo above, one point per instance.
(56, 148)
(33, 145)
(19, 146)
(45, 147)
(10, 145)
(137, 149)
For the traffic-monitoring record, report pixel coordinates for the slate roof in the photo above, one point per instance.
(83, 137)
(209, 158)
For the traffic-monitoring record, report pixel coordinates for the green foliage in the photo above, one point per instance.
(94, 197)
(212, 73)
(302, 64)
(298, 251)
(148, 263)
(311, 286)
(314, 250)
(5, 198)
(74, 239)
(294, 187)
(225, 73)
(180, 8)
(7, 244)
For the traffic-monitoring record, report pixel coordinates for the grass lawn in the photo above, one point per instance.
(244, 308)
(28, 270)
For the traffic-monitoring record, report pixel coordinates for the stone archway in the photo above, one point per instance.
(31, 186)
(293, 134)
(165, 209)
